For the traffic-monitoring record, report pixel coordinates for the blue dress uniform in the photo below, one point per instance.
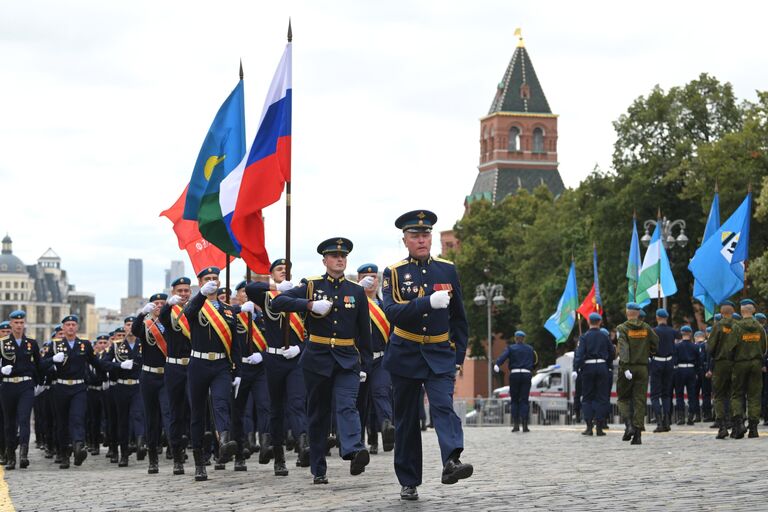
(20, 359)
(151, 334)
(687, 359)
(176, 332)
(69, 392)
(339, 349)
(704, 383)
(661, 372)
(215, 358)
(95, 380)
(426, 345)
(285, 378)
(591, 360)
(522, 360)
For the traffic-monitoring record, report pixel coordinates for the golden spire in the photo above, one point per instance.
(519, 35)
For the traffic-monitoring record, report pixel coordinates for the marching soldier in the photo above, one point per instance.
(337, 358)
(95, 381)
(637, 343)
(687, 359)
(427, 345)
(214, 356)
(113, 451)
(703, 384)
(522, 360)
(592, 357)
(720, 347)
(20, 360)
(747, 380)
(662, 371)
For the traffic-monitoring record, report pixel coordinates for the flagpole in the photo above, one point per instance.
(661, 241)
(227, 282)
(288, 262)
(634, 286)
(746, 260)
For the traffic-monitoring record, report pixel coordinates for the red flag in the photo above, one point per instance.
(201, 252)
(590, 304)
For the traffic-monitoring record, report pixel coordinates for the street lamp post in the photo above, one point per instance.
(667, 238)
(489, 295)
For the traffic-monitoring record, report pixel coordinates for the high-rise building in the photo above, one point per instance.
(135, 278)
(173, 273)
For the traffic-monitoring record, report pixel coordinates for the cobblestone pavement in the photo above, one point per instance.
(551, 468)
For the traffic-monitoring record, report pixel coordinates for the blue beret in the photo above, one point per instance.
(736, 316)
(277, 262)
(642, 313)
(102, 337)
(17, 315)
(662, 313)
(605, 331)
(241, 285)
(416, 220)
(718, 317)
(57, 328)
(633, 306)
(158, 296)
(222, 291)
(686, 328)
(595, 317)
(698, 333)
(747, 302)
(5, 324)
(207, 271)
(336, 244)
(760, 316)
(119, 330)
(728, 303)
(368, 268)
(255, 291)
(519, 334)
(129, 319)
(70, 318)
(181, 280)
(709, 329)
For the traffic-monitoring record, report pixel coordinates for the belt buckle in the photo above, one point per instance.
(211, 356)
(333, 342)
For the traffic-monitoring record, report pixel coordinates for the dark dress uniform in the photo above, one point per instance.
(687, 359)
(339, 349)
(592, 358)
(661, 373)
(522, 360)
(704, 384)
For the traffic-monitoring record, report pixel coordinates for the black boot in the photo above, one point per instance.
(280, 468)
(636, 437)
(516, 426)
(722, 432)
(141, 448)
(252, 442)
(10, 458)
(752, 429)
(124, 454)
(227, 447)
(24, 456)
(359, 460)
(387, 436)
(667, 423)
(738, 428)
(525, 426)
(588, 431)
(628, 431)
(661, 426)
(240, 462)
(690, 419)
(290, 441)
(80, 453)
(680, 418)
(455, 470)
(153, 461)
(200, 474)
(113, 458)
(303, 460)
(599, 428)
(266, 451)
(178, 460)
(65, 454)
(697, 418)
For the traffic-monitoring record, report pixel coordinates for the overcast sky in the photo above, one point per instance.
(104, 106)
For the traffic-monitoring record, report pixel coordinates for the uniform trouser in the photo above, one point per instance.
(112, 416)
(17, 400)
(606, 394)
(252, 390)
(519, 391)
(685, 382)
(49, 412)
(94, 414)
(203, 376)
(704, 389)
(178, 402)
(593, 378)
(70, 403)
(363, 404)
(661, 376)
(747, 381)
(2, 424)
(37, 410)
(633, 392)
(380, 384)
(577, 401)
(408, 401)
(156, 408)
(342, 386)
(721, 387)
(130, 413)
(288, 398)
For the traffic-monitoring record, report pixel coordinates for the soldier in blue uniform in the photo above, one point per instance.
(661, 372)
(95, 380)
(703, 384)
(687, 360)
(45, 413)
(19, 364)
(285, 378)
(214, 365)
(522, 360)
(111, 401)
(179, 349)
(154, 349)
(337, 357)
(427, 345)
(593, 355)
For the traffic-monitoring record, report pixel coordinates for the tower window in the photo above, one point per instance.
(525, 91)
(538, 140)
(514, 139)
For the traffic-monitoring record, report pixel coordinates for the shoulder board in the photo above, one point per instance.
(441, 260)
(398, 264)
(5, 338)
(33, 340)
(314, 278)
(55, 340)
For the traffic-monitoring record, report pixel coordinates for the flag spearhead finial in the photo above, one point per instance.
(290, 32)
(241, 69)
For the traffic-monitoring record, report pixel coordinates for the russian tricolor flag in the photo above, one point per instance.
(260, 178)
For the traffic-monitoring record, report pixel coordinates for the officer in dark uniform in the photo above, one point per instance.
(427, 345)
(703, 383)
(376, 391)
(95, 380)
(687, 360)
(20, 360)
(154, 350)
(522, 360)
(71, 357)
(214, 366)
(337, 358)
(661, 372)
(177, 336)
(285, 378)
(593, 355)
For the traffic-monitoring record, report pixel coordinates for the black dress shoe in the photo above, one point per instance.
(373, 449)
(388, 436)
(409, 493)
(240, 465)
(455, 470)
(359, 461)
(320, 479)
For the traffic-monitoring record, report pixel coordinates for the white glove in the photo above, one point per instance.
(439, 299)
(175, 299)
(58, 357)
(363, 376)
(496, 368)
(366, 282)
(291, 352)
(148, 308)
(628, 374)
(209, 288)
(236, 385)
(247, 307)
(255, 358)
(284, 286)
(7, 369)
(127, 365)
(321, 307)
(38, 390)
(575, 374)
